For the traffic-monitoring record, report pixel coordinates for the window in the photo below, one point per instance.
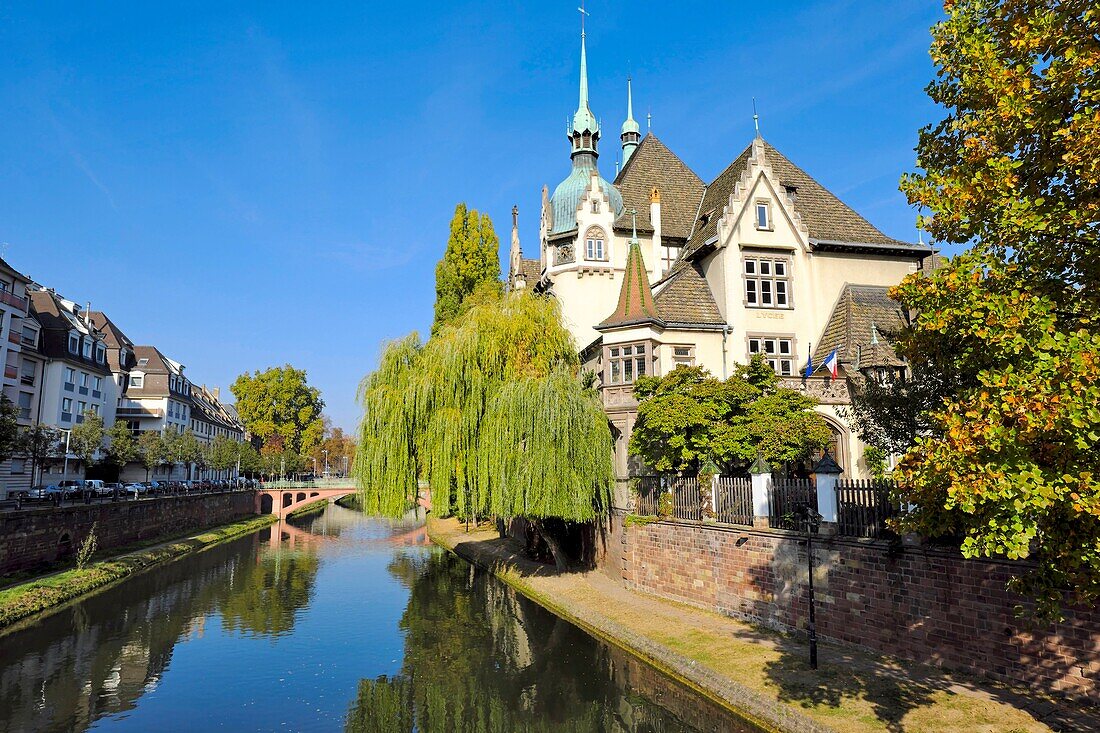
(668, 257)
(767, 283)
(87, 348)
(593, 249)
(625, 363)
(27, 372)
(83, 407)
(97, 383)
(137, 380)
(778, 350)
(74, 343)
(70, 375)
(94, 408)
(683, 355)
(763, 215)
(100, 353)
(30, 336)
(142, 362)
(67, 404)
(84, 379)
(25, 399)
(18, 466)
(172, 382)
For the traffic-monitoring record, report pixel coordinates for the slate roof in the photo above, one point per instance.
(829, 222)
(685, 298)
(861, 327)
(654, 165)
(531, 271)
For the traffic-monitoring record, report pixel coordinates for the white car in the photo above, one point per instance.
(134, 489)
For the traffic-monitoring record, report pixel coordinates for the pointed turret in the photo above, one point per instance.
(632, 131)
(585, 132)
(515, 254)
(636, 297)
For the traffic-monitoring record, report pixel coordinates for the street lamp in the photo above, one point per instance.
(325, 451)
(810, 519)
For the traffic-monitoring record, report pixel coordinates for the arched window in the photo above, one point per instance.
(837, 447)
(594, 245)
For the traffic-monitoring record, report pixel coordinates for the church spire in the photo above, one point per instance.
(636, 296)
(631, 133)
(586, 130)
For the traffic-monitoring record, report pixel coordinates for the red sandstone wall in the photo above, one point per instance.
(922, 604)
(33, 537)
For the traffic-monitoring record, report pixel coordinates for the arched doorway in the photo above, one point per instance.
(266, 504)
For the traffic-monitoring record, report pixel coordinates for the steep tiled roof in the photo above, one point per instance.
(531, 270)
(861, 326)
(636, 297)
(112, 334)
(651, 166)
(686, 298)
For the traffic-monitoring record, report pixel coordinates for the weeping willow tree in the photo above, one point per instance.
(490, 412)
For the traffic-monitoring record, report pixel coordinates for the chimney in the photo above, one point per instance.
(217, 393)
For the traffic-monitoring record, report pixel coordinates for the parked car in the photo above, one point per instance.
(110, 488)
(71, 488)
(96, 486)
(135, 489)
(42, 493)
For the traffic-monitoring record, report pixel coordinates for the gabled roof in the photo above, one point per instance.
(860, 327)
(155, 361)
(651, 166)
(636, 297)
(686, 299)
(531, 270)
(112, 334)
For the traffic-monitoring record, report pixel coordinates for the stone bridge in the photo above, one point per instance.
(283, 499)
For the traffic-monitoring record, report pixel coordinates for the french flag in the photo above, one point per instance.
(831, 363)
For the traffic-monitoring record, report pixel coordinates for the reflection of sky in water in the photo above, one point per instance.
(261, 635)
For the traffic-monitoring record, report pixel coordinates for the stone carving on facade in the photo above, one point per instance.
(565, 255)
(828, 391)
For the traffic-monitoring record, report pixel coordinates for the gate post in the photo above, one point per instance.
(826, 473)
(761, 474)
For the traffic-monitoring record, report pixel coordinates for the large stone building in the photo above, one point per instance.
(658, 268)
(23, 366)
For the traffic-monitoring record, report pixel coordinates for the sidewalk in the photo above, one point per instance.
(763, 673)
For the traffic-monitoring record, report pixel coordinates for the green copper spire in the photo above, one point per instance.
(586, 129)
(636, 297)
(631, 132)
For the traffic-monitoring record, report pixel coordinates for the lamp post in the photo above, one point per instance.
(325, 451)
(810, 520)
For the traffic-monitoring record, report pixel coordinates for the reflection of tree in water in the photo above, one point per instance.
(479, 658)
(267, 597)
(101, 655)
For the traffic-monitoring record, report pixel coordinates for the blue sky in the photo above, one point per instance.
(269, 183)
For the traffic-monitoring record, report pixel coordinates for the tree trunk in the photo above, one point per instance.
(555, 548)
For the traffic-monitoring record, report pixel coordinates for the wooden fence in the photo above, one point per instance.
(787, 499)
(863, 506)
(733, 500)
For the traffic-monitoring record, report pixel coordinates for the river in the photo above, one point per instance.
(335, 623)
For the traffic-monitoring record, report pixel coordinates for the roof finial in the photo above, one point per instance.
(755, 117)
(633, 226)
(649, 120)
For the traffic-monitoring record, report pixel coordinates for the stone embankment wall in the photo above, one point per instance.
(35, 537)
(918, 603)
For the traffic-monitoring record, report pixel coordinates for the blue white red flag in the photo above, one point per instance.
(831, 363)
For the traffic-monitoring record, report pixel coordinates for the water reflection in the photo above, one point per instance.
(338, 623)
(480, 658)
(101, 655)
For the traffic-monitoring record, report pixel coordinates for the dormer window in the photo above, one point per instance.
(74, 343)
(87, 348)
(763, 215)
(100, 353)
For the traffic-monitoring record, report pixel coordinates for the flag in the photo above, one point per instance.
(809, 365)
(831, 363)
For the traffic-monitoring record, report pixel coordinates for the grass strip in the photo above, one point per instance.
(27, 599)
(314, 507)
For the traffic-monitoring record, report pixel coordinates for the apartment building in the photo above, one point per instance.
(22, 366)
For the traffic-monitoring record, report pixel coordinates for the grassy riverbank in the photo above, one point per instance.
(26, 599)
(761, 672)
(315, 507)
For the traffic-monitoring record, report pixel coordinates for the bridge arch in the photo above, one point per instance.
(266, 503)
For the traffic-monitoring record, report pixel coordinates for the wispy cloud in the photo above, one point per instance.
(69, 144)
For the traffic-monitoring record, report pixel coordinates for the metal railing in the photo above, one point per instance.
(785, 500)
(863, 506)
(320, 483)
(733, 500)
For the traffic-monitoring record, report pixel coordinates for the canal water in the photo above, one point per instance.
(336, 623)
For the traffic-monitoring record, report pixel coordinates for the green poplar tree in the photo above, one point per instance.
(470, 261)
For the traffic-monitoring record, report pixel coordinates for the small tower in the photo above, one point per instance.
(515, 254)
(585, 133)
(632, 131)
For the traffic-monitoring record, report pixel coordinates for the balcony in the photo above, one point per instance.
(13, 300)
(139, 412)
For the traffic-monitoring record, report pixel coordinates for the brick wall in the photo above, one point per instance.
(917, 603)
(35, 537)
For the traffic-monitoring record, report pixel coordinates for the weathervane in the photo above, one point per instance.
(755, 117)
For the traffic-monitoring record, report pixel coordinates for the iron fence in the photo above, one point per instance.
(733, 500)
(687, 501)
(787, 498)
(863, 506)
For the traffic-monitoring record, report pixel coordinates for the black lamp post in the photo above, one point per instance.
(810, 519)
